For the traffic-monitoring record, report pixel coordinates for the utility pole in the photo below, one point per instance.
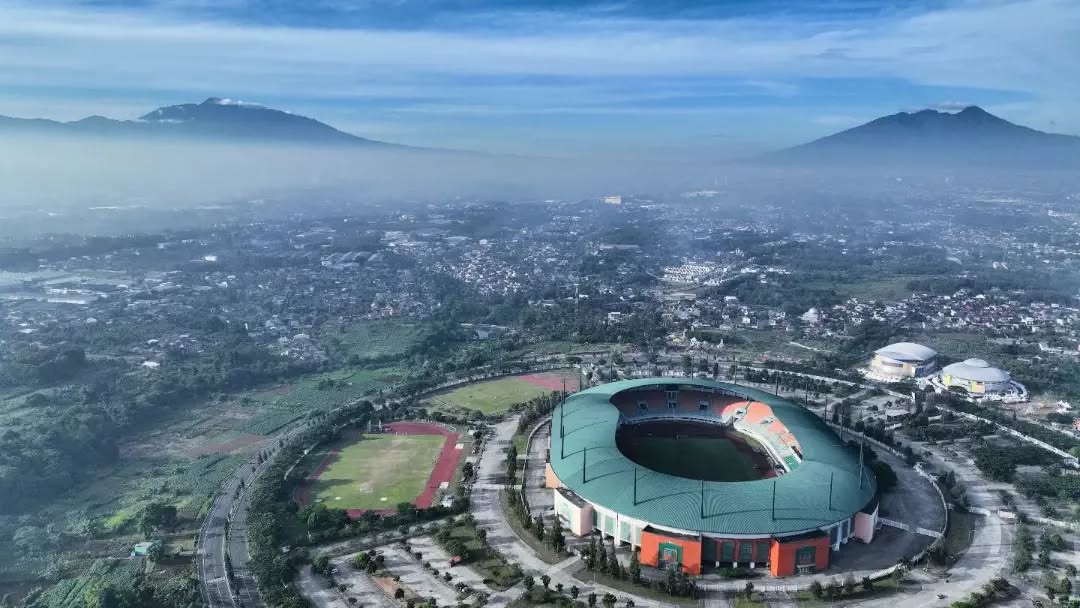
(831, 476)
(861, 444)
(584, 456)
(562, 432)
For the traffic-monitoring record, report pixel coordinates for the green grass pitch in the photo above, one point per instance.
(711, 458)
(490, 397)
(378, 471)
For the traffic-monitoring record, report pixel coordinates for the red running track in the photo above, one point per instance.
(552, 382)
(443, 471)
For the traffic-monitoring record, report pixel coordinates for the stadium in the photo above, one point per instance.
(901, 361)
(699, 474)
(978, 380)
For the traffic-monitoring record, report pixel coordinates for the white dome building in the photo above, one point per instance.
(980, 380)
(901, 361)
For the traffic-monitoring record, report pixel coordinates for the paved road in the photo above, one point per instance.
(488, 512)
(247, 588)
(217, 591)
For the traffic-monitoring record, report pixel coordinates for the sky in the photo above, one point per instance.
(551, 77)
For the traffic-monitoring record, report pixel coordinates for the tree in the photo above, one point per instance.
(867, 584)
(321, 564)
(592, 600)
(539, 528)
(105, 596)
(399, 593)
(157, 516)
(545, 580)
(849, 585)
(156, 552)
(574, 592)
(609, 600)
(557, 537)
(748, 590)
(886, 477)
(635, 567)
(559, 588)
(816, 589)
(831, 589)
(530, 582)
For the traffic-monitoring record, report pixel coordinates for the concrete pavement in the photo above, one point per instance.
(487, 510)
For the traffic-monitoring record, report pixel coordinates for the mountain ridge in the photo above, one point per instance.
(213, 118)
(971, 136)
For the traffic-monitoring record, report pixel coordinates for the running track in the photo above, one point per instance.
(443, 471)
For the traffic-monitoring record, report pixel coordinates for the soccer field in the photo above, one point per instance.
(378, 471)
(490, 397)
(708, 458)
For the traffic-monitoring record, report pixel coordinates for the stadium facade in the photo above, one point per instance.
(902, 361)
(978, 380)
(810, 495)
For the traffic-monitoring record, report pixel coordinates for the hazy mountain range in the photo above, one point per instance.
(971, 136)
(213, 118)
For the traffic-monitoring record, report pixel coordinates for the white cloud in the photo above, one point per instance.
(1026, 47)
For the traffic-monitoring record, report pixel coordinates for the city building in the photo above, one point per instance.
(978, 381)
(785, 496)
(902, 361)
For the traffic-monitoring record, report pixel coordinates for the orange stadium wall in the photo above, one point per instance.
(551, 480)
(783, 554)
(690, 550)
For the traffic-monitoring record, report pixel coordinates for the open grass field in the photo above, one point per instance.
(376, 472)
(495, 396)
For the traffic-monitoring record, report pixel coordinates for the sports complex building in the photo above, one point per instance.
(902, 361)
(700, 474)
(978, 380)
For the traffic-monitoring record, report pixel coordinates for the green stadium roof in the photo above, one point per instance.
(743, 508)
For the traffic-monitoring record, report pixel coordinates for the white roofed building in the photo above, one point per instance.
(902, 361)
(978, 380)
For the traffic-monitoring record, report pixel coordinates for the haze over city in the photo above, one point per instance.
(463, 303)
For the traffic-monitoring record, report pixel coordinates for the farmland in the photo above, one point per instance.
(371, 341)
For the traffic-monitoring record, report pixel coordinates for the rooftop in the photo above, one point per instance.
(802, 496)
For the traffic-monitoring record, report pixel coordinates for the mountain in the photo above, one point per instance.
(970, 137)
(214, 118)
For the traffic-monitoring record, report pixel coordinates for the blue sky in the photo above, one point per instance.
(554, 77)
